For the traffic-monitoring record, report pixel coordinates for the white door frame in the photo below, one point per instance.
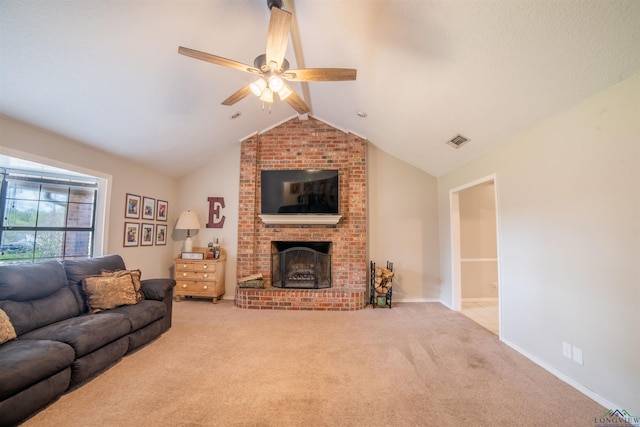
(456, 262)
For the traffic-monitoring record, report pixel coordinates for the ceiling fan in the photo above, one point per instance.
(272, 67)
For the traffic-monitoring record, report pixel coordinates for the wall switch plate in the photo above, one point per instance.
(577, 355)
(566, 350)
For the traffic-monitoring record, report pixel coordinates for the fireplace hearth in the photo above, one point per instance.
(301, 265)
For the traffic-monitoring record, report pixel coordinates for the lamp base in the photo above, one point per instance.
(188, 244)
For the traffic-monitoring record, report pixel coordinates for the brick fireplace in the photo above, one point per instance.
(304, 144)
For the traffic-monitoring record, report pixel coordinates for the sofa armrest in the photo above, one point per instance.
(157, 289)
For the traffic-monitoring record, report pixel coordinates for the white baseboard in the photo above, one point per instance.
(485, 299)
(415, 300)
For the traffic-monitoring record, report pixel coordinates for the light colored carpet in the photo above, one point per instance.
(415, 364)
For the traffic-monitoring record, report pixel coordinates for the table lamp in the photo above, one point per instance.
(188, 221)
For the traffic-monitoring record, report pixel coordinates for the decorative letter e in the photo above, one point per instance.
(215, 220)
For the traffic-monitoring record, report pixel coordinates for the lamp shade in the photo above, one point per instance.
(188, 221)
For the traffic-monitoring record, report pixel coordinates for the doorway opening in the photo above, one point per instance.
(475, 276)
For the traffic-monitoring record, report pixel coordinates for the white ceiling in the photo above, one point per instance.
(107, 73)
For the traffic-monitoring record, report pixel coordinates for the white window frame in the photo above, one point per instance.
(101, 231)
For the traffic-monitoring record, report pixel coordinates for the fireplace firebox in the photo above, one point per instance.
(301, 265)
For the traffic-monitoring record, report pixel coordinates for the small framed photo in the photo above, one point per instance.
(131, 233)
(161, 234)
(132, 206)
(148, 208)
(162, 210)
(147, 236)
(192, 255)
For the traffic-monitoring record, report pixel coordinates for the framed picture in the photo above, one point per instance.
(147, 235)
(132, 206)
(131, 233)
(192, 255)
(161, 234)
(162, 210)
(148, 208)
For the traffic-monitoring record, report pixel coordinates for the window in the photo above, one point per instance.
(46, 217)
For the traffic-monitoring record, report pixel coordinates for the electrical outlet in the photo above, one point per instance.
(566, 350)
(577, 355)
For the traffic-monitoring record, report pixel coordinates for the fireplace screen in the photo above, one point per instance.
(300, 267)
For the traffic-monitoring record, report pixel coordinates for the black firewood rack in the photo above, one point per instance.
(375, 297)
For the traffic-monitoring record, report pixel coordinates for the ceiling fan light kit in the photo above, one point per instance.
(273, 67)
(267, 96)
(275, 83)
(258, 87)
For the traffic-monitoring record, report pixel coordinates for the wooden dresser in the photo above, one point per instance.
(200, 278)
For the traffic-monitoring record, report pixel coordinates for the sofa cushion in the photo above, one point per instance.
(141, 314)
(84, 333)
(24, 363)
(7, 332)
(30, 315)
(34, 295)
(105, 292)
(135, 278)
(27, 282)
(78, 269)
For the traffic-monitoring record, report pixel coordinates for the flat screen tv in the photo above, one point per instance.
(299, 192)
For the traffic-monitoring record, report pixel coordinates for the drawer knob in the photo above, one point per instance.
(205, 275)
(184, 265)
(204, 266)
(205, 287)
(184, 274)
(184, 285)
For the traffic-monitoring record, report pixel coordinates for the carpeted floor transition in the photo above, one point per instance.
(416, 364)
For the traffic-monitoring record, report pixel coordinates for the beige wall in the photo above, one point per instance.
(403, 225)
(402, 218)
(569, 240)
(219, 178)
(22, 140)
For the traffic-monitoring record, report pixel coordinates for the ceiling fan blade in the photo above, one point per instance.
(320, 74)
(297, 103)
(278, 36)
(237, 96)
(217, 60)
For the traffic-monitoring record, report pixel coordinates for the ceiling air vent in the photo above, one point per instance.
(458, 141)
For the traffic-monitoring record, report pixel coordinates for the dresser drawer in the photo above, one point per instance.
(185, 266)
(204, 266)
(195, 275)
(196, 288)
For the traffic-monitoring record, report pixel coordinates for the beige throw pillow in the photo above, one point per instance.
(7, 332)
(105, 292)
(135, 277)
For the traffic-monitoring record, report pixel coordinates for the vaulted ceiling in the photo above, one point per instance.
(107, 73)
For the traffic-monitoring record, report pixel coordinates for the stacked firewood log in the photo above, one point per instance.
(383, 279)
(253, 281)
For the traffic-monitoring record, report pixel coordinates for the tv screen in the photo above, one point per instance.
(299, 192)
